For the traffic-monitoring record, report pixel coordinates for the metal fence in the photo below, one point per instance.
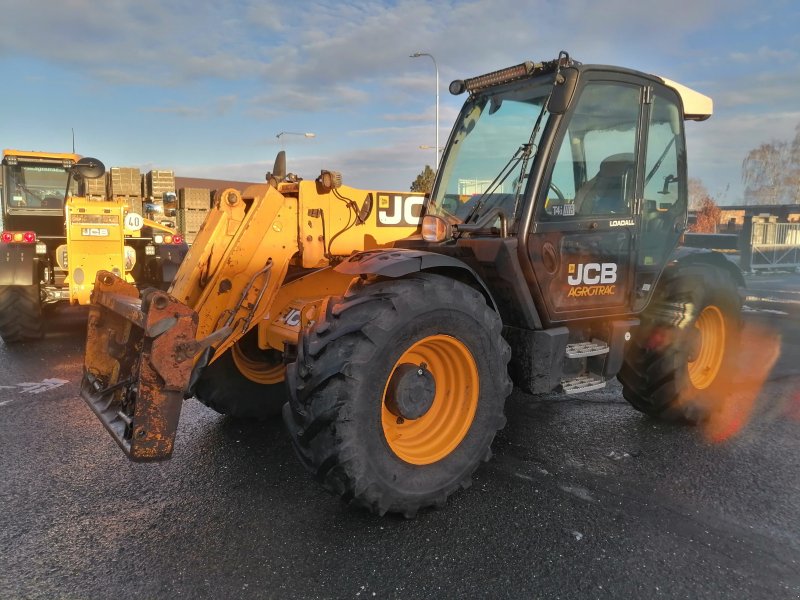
(775, 246)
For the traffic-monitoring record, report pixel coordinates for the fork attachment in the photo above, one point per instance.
(139, 358)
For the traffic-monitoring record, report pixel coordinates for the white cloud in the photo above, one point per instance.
(179, 111)
(323, 44)
(147, 41)
(339, 60)
(217, 107)
(764, 55)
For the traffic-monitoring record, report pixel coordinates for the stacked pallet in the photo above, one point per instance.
(193, 207)
(96, 189)
(125, 183)
(158, 188)
(157, 183)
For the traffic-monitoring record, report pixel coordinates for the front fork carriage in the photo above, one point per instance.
(138, 364)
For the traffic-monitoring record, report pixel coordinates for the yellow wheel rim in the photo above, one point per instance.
(440, 430)
(703, 370)
(263, 371)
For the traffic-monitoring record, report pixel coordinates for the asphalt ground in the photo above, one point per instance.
(584, 498)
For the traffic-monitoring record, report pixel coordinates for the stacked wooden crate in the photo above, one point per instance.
(193, 207)
(96, 189)
(159, 182)
(158, 187)
(125, 183)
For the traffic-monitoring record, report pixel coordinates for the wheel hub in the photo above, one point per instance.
(706, 360)
(410, 392)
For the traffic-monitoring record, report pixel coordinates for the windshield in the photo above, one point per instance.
(487, 154)
(36, 187)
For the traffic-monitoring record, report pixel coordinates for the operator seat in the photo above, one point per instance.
(610, 191)
(52, 202)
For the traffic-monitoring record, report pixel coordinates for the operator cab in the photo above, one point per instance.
(584, 166)
(36, 184)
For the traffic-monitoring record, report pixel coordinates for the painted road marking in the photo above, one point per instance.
(43, 386)
(34, 387)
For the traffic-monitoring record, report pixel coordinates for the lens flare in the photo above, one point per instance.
(733, 405)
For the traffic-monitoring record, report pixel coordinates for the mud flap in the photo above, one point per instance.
(137, 365)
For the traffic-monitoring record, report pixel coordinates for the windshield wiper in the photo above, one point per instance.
(523, 151)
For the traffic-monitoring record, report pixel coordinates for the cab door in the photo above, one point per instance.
(587, 213)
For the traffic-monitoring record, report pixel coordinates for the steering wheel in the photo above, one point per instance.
(558, 192)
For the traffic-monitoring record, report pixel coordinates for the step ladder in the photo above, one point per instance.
(586, 382)
(582, 349)
(582, 383)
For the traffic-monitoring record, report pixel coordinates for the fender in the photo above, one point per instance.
(398, 262)
(19, 265)
(684, 255)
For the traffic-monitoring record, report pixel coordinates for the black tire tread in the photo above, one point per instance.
(20, 313)
(339, 348)
(224, 389)
(655, 381)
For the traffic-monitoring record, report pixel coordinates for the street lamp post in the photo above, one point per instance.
(436, 67)
(307, 135)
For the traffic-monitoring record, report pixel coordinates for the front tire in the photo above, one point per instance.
(245, 382)
(20, 313)
(682, 355)
(398, 391)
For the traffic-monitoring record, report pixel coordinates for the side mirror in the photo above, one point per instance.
(88, 168)
(563, 91)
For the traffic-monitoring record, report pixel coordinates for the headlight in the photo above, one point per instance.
(150, 250)
(61, 256)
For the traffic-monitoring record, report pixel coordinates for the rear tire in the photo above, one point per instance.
(20, 313)
(683, 352)
(225, 388)
(344, 382)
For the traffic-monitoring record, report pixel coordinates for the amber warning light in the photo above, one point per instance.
(435, 229)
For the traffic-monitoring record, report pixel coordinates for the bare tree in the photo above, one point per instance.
(697, 193)
(771, 172)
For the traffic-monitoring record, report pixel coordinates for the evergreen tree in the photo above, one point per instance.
(424, 181)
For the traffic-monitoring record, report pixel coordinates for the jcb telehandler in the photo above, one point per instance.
(54, 239)
(547, 254)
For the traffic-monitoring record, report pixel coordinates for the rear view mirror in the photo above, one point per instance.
(88, 168)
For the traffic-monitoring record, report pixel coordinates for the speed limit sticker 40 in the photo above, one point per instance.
(133, 221)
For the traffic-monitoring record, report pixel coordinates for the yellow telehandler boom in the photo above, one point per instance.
(258, 271)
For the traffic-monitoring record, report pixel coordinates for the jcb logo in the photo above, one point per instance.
(94, 232)
(399, 211)
(592, 274)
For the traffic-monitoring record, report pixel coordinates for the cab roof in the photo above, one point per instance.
(41, 155)
(696, 106)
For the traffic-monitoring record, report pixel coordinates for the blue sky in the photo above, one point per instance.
(203, 87)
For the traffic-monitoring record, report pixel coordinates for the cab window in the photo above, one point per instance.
(665, 194)
(594, 170)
